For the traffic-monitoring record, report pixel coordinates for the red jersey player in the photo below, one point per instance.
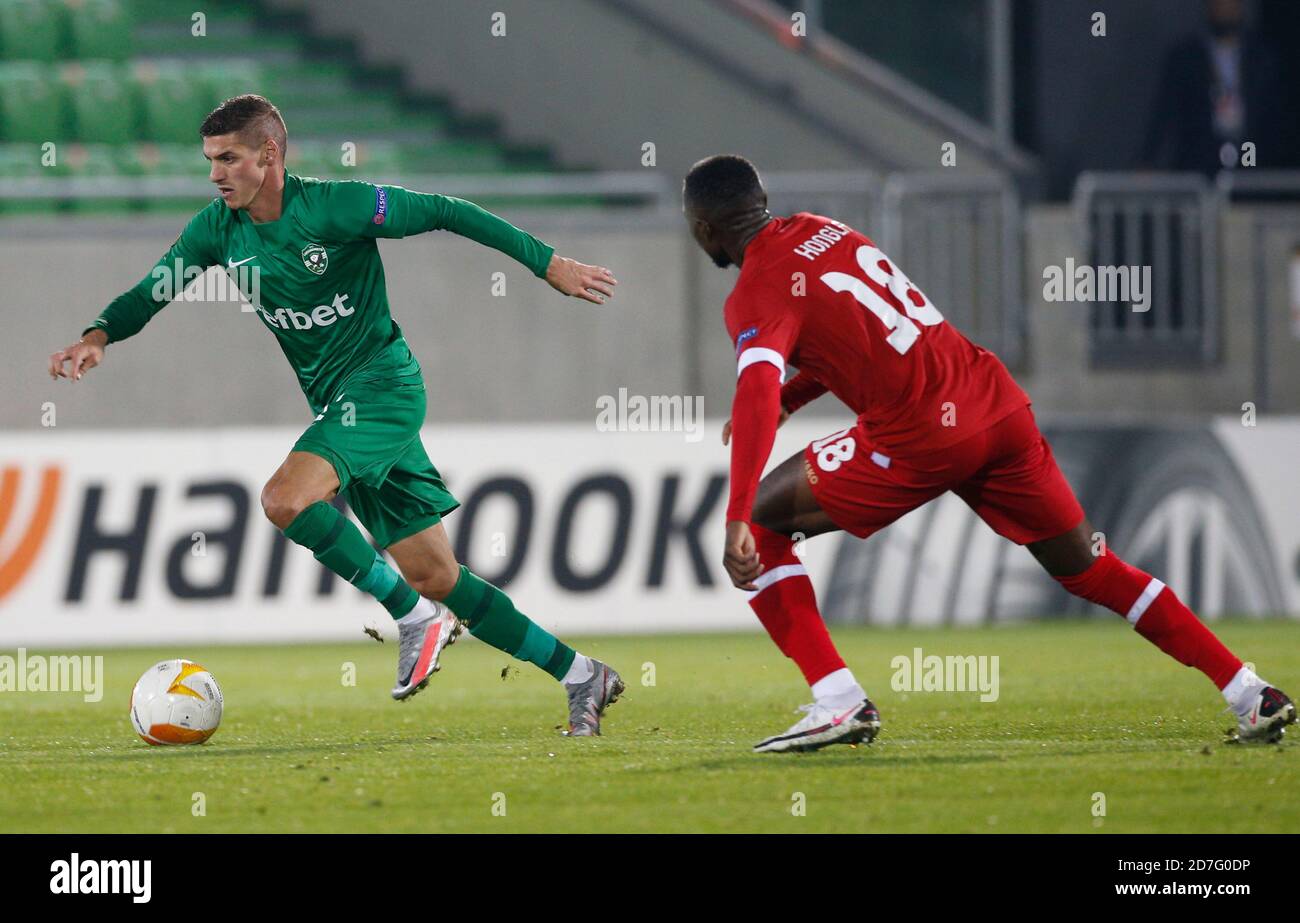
(935, 413)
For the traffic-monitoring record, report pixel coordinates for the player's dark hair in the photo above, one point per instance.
(254, 118)
(724, 184)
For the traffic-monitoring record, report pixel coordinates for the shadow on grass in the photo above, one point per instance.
(918, 755)
(224, 750)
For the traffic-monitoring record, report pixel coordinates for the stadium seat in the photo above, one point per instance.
(380, 161)
(149, 159)
(33, 104)
(99, 29)
(222, 79)
(32, 30)
(173, 103)
(455, 157)
(377, 116)
(167, 160)
(20, 161)
(94, 161)
(103, 102)
(312, 158)
(87, 160)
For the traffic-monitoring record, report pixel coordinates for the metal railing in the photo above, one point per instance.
(633, 188)
(959, 238)
(1273, 185)
(1166, 224)
(1272, 230)
(853, 198)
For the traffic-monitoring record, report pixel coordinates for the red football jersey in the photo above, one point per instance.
(816, 294)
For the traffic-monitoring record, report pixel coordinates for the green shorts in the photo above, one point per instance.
(370, 433)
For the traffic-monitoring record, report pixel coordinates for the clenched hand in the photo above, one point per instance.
(740, 556)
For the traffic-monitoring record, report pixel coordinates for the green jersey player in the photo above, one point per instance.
(320, 289)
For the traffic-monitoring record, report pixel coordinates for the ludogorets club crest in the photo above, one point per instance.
(315, 258)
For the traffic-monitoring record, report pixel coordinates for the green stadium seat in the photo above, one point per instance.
(149, 159)
(376, 161)
(222, 79)
(167, 160)
(20, 161)
(32, 30)
(33, 104)
(146, 10)
(376, 117)
(99, 29)
(308, 85)
(454, 157)
(379, 161)
(87, 160)
(173, 103)
(104, 105)
(313, 158)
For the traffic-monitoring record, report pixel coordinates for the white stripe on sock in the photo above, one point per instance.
(1144, 601)
(769, 577)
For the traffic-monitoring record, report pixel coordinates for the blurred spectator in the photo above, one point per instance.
(1218, 89)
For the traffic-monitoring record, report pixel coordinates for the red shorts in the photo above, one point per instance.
(1006, 474)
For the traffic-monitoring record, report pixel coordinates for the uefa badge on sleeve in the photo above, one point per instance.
(315, 258)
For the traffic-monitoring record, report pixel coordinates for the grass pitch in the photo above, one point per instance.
(1083, 708)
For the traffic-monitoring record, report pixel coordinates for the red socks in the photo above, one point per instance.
(787, 607)
(1156, 613)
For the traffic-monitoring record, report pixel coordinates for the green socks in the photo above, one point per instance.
(341, 547)
(489, 613)
(493, 619)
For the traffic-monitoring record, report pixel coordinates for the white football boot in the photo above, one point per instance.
(1266, 721)
(822, 726)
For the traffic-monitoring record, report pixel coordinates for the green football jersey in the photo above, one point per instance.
(320, 282)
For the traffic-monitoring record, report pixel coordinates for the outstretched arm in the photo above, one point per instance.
(393, 211)
(186, 259)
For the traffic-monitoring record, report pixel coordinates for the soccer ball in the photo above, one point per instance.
(176, 702)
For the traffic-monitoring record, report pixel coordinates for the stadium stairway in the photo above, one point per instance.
(790, 104)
